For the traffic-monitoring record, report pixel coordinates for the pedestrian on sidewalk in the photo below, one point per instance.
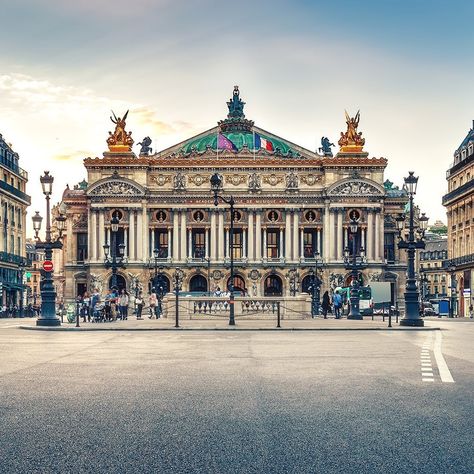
(337, 302)
(152, 301)
(326, 304)
(123, 304)
(139, 302)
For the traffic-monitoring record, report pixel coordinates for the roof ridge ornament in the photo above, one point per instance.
(236, 121)
(120, 141)
(351, 141)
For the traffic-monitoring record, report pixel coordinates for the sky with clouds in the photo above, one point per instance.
(406, 64)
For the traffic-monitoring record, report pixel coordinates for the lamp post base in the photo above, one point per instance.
(48, 322)
(412, 322)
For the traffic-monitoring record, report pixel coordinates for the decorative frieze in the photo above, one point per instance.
(311, 179)
(198, 179)
(273, 179)
(161, 179)
(235, 179)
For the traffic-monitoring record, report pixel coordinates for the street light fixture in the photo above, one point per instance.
(216, 186)
(411, 243)
(47, 316)
(355, 263)
(116, 259)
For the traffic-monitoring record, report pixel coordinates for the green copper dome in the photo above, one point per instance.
(239, 139)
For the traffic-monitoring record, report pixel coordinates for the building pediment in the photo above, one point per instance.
(356, 187)
(116, 186)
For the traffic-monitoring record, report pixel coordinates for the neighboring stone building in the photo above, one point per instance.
(13, 205)
(458, 202)
(290, 203)
(433, 267)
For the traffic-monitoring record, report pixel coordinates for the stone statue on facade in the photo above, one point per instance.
(179, 181)
(291, 181)
(120, 140)
(335, 280)
(351, 140)
(325, 147)
(236, 105)
(255, 183)
(145, 149)
(96, 283)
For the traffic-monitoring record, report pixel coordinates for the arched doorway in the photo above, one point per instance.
(162, 281)
(198, 284)
(348, 280)
(306, 284)
(121, 283)
(273, 286)
(239, 285)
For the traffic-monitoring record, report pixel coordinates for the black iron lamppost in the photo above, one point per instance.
(47, 316)
(178, 283)
(115, 261)
(158, 282)
(21, 272)
(424, 285)
(315, 286)
(411, 244)
(216, 185)
(355, 263)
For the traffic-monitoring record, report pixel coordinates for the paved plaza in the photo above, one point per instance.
(237, 401)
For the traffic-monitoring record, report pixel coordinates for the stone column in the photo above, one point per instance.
(265, 253)
(70, 256)
(244, 243)
(169, 243)
(287, 236)
(220, 233)
(377, 236)
(125, 241)
(320, 243)
(340, 244)
(182, 237)
(226, 244)
(282, 235)
(370, 235)
(139, 237)
(296, 225)
(302, 244)
(131, 227)
(346, 237)
(258, 236)
(213, 236)
(101, 239)
(152, 240)
(326, 233)
(332, 236)
(362, 234)
(206, 244)
(190, 243)
(250, 240)
(144, 231)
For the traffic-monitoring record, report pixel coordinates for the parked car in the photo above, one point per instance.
(427, 309)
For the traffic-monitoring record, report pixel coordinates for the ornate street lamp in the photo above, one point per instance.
(115, 260)
(454, 284)
(355, 263)
(178, 283)
(411, 244)
(47, 316)
(216, 186)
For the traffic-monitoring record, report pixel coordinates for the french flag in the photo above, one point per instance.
(261, 142)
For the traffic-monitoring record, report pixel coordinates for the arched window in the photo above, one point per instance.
(239, 285)
(161, 283)
(306, 284)
(273, 286)
(198, 284)
(121, 283)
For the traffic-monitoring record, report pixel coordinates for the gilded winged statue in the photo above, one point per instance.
(119, 140)
(352, 140)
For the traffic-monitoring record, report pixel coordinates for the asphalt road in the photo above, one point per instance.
(236, 402)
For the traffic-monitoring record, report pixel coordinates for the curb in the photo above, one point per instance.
(65, 329)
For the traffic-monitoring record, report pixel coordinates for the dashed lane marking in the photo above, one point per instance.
(425, 361)
(444, 371)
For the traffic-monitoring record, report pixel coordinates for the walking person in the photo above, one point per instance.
(123, 304)
(139, 302)
(337, 302)
(326, 304)
(152, 301)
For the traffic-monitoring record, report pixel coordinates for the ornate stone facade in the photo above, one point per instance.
(290, 204)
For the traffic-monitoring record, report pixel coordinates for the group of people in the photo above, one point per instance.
(329, 303)
(114, 305)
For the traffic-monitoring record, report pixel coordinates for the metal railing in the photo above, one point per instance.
(16, 192)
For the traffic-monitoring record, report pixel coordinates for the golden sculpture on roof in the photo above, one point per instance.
(120, 140)
(352, 141)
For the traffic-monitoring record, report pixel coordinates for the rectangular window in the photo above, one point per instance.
(81, 247)
(389, 248)
(273, 243)
(310, 243)
(199, 243)
(161, 242)
(238, 248)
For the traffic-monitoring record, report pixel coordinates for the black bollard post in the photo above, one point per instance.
(77, 314)
(278, 315)
(390, 318)
(177, 308)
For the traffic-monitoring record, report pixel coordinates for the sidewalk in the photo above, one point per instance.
(317, 324)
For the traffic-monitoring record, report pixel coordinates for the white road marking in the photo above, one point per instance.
(425, 360)
(444, 371)
(427, 380)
